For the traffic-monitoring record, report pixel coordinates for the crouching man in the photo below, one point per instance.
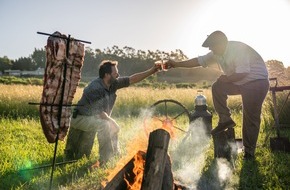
(92, 114)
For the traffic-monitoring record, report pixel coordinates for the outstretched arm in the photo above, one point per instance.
(137, 77)
(187, 63)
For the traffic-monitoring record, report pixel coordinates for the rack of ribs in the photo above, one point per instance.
(53, 89)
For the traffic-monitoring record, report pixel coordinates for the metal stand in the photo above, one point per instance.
(275, 89)
(60, 104)
(279, 143)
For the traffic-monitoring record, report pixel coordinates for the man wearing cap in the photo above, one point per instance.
(245, 74)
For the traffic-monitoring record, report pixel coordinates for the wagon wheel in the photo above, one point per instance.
(167, 114)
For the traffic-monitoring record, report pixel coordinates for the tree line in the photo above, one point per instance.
(130, 60)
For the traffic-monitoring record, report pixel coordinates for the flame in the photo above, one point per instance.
(139, 163)
(140, 143)
(138, 170)
(168, 125)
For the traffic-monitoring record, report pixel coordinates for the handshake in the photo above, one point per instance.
(164, 65)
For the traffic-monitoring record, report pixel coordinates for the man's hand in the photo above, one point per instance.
(168, 64)
(158, 66)
(113, 124)
(115, 128)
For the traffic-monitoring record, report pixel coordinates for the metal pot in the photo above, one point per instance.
(200, 99)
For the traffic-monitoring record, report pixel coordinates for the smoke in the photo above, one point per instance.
(189, 156)
(220, 176)
(189, 160)
(189, 173)
(140, 142)
(140, 132)
(224, 170)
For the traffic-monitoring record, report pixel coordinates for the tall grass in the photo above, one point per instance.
(26, 156)
(15, 99)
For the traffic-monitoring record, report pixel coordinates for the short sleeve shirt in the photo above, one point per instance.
(238, 58)
(96, 98)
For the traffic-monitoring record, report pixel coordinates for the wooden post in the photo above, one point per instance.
(156, 159)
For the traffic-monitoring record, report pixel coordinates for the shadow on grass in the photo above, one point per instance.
(217, 175)
(209, 178)
(250, 176)
(39, 177)
(278, 157)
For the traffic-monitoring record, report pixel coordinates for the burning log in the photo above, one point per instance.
(180, 187)
(156, 174)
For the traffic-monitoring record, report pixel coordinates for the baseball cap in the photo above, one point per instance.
(215, 38)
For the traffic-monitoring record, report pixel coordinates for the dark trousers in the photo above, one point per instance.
(79, 143)
(253, 95)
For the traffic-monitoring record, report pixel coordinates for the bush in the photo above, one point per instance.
(20, 80)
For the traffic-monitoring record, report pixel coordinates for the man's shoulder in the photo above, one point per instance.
(96, 84)
(97, 81)
(237, 44)
(121, 82)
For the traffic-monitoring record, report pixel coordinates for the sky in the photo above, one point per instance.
(164, 25)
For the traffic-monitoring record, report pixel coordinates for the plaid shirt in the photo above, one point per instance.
(96, 98)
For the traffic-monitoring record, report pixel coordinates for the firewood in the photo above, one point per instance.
(156, 160)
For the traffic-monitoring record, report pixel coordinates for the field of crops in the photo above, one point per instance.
(26, 156)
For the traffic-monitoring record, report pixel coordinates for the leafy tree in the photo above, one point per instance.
(277, 70)
(288, 72)
(177, 55)
(117, 51)
(5, 63)
(141, 54)
(98, 52)
(90, 66)
(149, 54)
(24, 63)
(129, 52)
(130, 61)
(39, 57)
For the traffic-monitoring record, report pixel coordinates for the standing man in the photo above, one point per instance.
(93, 113)
(245, 74)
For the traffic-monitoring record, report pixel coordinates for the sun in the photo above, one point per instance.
(259, 23)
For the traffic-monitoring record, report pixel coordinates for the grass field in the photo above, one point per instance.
(26, 156)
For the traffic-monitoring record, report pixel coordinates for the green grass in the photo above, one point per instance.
(26, 156)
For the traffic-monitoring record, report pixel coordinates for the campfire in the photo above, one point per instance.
(147, 170)
(148, 165)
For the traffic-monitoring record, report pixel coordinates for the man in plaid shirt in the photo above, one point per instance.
(93, 113)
